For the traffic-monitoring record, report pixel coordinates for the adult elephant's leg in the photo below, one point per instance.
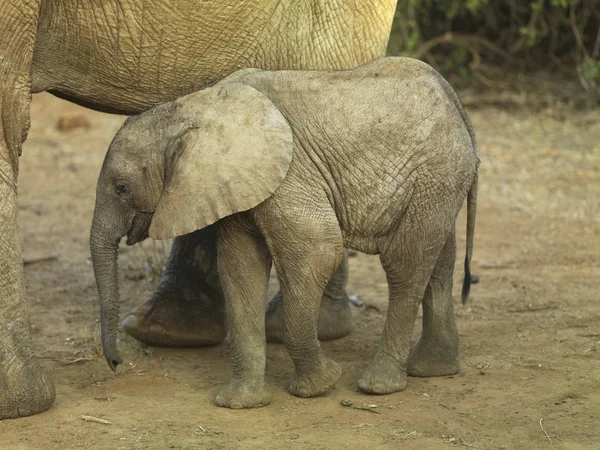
(188, 308)
(25, 388)
(335, 317)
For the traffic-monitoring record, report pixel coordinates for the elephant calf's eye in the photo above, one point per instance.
(121, 188)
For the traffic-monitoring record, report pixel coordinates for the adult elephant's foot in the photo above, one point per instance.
(25, 390)
(383, 375)
(240, 394)
(335, 316)
(188, 308)
(433, 359)
(176, 318)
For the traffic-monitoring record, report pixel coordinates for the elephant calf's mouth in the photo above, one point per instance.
(139, 228)
(135, 238)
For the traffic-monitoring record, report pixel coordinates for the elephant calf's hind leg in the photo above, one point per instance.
(408, 265)
(436, 354)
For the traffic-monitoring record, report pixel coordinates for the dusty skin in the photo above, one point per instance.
(530, 337)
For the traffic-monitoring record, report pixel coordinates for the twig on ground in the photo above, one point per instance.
(542, 427)
(39, 259)
(532, 309)
(457, 441)
(370, 408)
(95, 420)
(66, 362)
(366, 408)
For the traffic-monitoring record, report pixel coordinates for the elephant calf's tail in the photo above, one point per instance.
(472, 195)
(471, 210)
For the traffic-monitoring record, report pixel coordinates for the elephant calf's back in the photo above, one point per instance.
(382, 141)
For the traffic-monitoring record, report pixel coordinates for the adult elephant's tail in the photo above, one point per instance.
(471, 211)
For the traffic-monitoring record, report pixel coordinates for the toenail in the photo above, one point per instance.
(378, 387)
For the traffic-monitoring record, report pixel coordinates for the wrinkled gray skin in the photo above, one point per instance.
(125, 56)
(379, 159)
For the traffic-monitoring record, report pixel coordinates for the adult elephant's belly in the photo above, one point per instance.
(122, 56)
(126, 55)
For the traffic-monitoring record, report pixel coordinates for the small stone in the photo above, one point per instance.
(356, 301)
(346, 403)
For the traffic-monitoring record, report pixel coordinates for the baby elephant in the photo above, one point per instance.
(295, 166)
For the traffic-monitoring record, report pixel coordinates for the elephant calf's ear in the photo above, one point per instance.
(235, 158)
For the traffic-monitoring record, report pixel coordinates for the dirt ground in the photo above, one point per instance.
(530, 374)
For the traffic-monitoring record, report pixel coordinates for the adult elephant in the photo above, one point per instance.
(123, 57)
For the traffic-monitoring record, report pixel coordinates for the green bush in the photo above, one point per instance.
(473, 38)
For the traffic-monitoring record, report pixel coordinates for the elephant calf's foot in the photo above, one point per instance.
(239, 394)
(25, 391)
(335, 318)
(316, 380)
(177, 319)
(431, 360)
(383, 376)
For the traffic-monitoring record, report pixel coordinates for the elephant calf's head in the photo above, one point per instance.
(181, 167)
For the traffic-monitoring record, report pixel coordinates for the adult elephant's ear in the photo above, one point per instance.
(234, 157)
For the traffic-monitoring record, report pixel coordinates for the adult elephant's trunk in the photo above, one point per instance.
(104, 247)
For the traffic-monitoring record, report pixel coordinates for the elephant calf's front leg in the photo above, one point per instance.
(307, 248)
(244, 265)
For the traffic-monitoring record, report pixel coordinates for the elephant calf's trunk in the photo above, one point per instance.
(104, 261)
